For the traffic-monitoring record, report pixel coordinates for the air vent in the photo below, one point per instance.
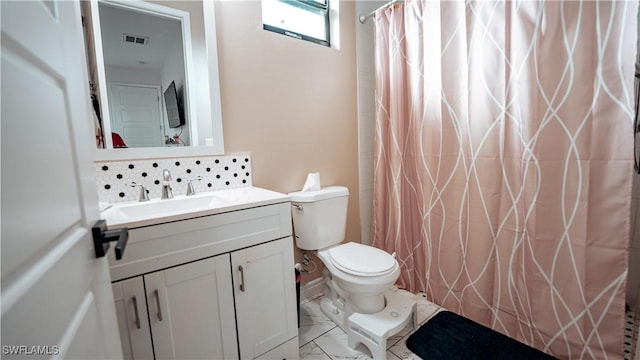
(135, 39)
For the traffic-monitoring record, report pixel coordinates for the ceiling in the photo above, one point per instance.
(163, 35)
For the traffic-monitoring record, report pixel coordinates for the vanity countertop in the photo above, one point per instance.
(134, 214)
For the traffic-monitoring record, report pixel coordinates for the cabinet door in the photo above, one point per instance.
(131, 311)
(191, 311)
(264, 280)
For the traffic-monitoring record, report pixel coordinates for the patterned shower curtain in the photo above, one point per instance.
(503, 163)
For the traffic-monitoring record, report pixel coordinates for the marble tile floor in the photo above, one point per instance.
(321, 339)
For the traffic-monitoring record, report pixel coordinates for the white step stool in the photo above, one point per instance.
(373, 330)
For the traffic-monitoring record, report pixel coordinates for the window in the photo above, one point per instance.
(301, 19)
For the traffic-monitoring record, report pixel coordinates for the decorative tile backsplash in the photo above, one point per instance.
(114, 178)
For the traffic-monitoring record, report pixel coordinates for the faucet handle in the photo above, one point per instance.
(166, 175)
(190, 189)
(144, 196)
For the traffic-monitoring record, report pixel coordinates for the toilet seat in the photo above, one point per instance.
(362, 260)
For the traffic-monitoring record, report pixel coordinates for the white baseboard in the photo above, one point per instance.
(312, 289)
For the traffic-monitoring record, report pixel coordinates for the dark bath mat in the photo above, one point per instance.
(449, 336)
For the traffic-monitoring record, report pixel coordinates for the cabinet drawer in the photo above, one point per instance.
(160, 246)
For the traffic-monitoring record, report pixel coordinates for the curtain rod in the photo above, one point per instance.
(364, 18)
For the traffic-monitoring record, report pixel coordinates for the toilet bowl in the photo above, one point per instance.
(362, 272)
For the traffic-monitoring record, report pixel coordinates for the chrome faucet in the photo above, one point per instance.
(190, 190)
(144, 196)
(166, 186)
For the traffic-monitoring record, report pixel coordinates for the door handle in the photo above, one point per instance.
(102, 237)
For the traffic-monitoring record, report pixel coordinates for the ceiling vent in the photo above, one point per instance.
(135, 39)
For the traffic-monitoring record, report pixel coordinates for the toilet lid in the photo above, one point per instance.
(362, 260)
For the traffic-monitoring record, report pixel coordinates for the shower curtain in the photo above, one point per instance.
(503, 161)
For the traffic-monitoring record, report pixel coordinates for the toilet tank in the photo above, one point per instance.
(319, 217)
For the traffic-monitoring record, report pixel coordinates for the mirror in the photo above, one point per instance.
(145, 66)
(142, 65)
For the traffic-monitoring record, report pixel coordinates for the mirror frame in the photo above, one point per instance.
(210, 89)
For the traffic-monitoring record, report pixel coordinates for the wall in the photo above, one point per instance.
(290, 103)
(366, 114)
(172, 70)
(127, 75)
(200, 63)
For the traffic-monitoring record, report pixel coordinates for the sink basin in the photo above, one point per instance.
(156, 208)
(159, 207)
(134, 214)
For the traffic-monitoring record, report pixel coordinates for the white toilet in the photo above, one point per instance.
(358, 278)
(356, 275)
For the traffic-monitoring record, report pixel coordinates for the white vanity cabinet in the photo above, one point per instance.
(131, 311)
(191, 310)
(213, 287)
(263, 297)
(186, 310)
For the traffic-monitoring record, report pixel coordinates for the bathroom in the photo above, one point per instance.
(294, 107)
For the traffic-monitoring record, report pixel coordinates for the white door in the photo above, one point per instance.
(136, 114)
(265, 296)
(191, 311)
(56, 296)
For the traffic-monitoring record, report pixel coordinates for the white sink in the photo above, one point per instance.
(159, 207)
(136, 214)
